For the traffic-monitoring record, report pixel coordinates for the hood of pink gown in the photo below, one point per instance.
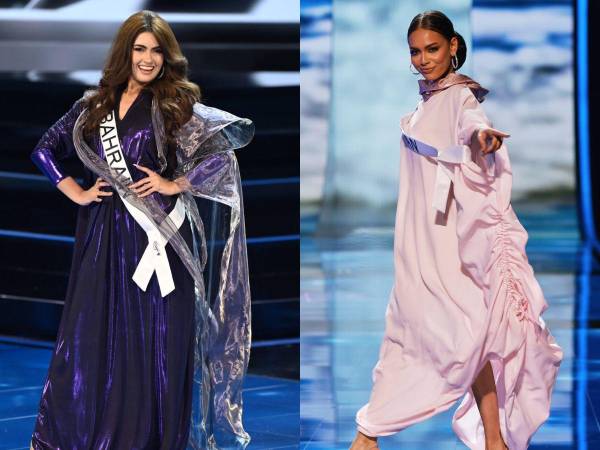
(429, 87)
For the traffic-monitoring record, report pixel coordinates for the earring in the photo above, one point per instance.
(162, 72)
(410, 66)
(454, 61)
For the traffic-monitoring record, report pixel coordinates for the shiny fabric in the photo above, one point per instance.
(463, 293)
(429, 87)
(55, 145)
(131, 369)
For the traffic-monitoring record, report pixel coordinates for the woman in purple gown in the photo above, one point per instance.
(146, 357)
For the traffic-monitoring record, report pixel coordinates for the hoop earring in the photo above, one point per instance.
(454, 61)
(162, 72)
(410, 66)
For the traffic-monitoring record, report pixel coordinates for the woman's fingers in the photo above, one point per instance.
(490, 139)
(144, 188)
(481, 137)
(144, 169)
(100, 183)
(147, 179)
(140, 184)
(495, 144)
(490, 144)
(147, 192)
(498, 132)
(499, 144)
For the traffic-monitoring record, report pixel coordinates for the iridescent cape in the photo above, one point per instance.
(217, 262)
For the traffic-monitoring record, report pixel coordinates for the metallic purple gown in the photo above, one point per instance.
(121, 373)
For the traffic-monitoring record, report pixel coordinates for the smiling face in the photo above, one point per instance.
(146, 58)
(430, 52)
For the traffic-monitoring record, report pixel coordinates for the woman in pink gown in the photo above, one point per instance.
(464, 315)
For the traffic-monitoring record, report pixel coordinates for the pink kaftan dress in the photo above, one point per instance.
(464, 291)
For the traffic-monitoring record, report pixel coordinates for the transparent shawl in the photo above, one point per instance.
(217, 260)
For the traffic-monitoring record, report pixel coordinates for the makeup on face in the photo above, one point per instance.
(429, 53)
(146, 58)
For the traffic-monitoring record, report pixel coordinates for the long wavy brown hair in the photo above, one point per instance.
(176, 95)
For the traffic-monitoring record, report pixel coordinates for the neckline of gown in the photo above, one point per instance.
(143, 92)
(427, 88)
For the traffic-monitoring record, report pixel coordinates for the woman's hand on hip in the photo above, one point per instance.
(93, 194)
(153, 183)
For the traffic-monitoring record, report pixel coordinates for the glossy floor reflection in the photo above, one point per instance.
(346, 279)
(270, 404)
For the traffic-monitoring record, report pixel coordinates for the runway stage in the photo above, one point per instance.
(346, 280)
(270, 404)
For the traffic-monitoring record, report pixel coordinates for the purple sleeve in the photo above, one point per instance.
(57, 144)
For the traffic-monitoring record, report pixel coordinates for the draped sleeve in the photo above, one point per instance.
(208, 132)
(56, 144)
(471, 116)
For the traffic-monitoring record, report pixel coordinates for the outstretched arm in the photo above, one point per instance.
(474, 127)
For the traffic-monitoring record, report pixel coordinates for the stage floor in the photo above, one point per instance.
(271, 413)
(345, 283)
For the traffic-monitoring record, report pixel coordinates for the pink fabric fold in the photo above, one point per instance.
(524, 354)
(464, 291)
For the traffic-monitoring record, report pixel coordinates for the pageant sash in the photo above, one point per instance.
(154, 258)
(455, 154)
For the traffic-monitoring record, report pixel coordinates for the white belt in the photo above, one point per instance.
(455, 154)
(155, 256)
